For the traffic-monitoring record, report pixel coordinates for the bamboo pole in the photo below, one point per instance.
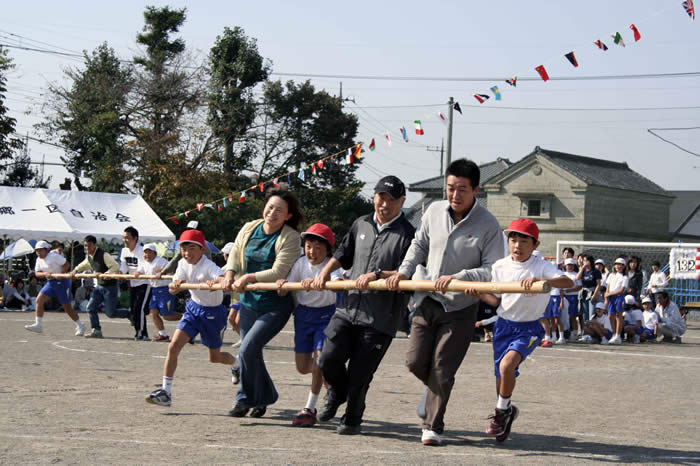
(341, 285)
(380, 285)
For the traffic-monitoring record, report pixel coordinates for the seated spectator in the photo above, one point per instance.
(671, 323)
(598, 329)
(18, 298)
(650, 328)
(82, 294)
(633, 318)
(33, 287)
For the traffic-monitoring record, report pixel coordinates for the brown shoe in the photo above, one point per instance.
(162, 338)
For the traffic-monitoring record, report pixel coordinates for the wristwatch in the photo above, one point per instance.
(378, 273)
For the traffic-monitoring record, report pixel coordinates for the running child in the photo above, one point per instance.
(161, 303)
(204, 313)
(313, 312)
(517, 332)
(47, 264)
(598, 328)
(616, 284)
(650, 328)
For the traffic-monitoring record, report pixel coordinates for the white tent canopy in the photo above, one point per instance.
(21, 247)
(33, 213)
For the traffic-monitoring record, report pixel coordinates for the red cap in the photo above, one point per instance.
(192, 236)
(524, 227)
(320, 230)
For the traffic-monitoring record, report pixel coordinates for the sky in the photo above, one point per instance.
(462, 48)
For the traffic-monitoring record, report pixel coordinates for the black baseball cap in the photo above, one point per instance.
(392, 186)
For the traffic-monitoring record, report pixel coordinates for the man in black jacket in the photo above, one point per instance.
(362, 328)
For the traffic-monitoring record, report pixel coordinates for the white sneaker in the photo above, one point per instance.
(560, 341)
(587, 339)
(615, 340)
(573, 336)
(636, 339)
(80, 329)
(34, 328)
(604, 341)
(430, 438)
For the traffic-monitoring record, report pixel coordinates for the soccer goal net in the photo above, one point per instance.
(684, 285)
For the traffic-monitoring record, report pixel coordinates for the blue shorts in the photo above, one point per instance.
(309, 324)
(59, 289)
(616, 304)
(608, 334)
(210, 322)
(648, 333)
(162, 300)
(522, 337)
(552, 309)
(572, 299)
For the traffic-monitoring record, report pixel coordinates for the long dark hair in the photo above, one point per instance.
(293, 206)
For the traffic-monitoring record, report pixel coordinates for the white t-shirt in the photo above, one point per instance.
(200, 272)
(603, 320)
(52, 263)
(522, 307)
(149, 268)
(129, 263)
(303, 269)
(616, 282)
(651, 318)
(657, 282)
(632, 316)
(577, 283)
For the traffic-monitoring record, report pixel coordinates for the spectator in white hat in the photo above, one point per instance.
(650, 328)
(633, 319)
(617, 283)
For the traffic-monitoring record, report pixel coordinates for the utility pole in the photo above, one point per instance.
(349, 99)
(440, 149)
(450, 114)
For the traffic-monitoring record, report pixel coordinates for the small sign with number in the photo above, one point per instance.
(684, 263)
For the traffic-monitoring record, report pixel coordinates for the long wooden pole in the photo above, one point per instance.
(404, 285)
(341, 285)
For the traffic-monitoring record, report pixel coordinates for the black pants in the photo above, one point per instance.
(362, 348)
(138, 303)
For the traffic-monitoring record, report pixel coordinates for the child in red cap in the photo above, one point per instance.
(314, 310)
(204, 313)
(517, 332)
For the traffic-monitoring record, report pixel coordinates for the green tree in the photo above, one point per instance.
(167, 91)
(236, 68)
(9, 145)
(91, 120)
(299, 126)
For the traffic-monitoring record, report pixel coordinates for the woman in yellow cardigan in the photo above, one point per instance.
(264, 251)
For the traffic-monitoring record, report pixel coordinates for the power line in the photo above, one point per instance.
(690, 74)
(490, 79)
(651, 131)
(555, 109)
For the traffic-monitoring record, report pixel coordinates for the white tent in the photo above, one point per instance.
(21, 247)
(46, 214)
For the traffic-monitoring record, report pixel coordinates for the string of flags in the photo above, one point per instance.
(353, 153)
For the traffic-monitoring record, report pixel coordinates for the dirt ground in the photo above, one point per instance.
(72, 400)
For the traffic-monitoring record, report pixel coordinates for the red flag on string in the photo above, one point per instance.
(637, 35)
(200, 206)
(543, 73)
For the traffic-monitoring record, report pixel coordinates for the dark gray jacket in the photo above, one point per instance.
(364, 250)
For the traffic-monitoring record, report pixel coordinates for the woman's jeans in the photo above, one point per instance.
(257, 329)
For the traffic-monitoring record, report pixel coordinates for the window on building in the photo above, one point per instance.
(534, 207)
(537, 207)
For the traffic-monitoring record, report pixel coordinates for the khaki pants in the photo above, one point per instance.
(437, 345)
